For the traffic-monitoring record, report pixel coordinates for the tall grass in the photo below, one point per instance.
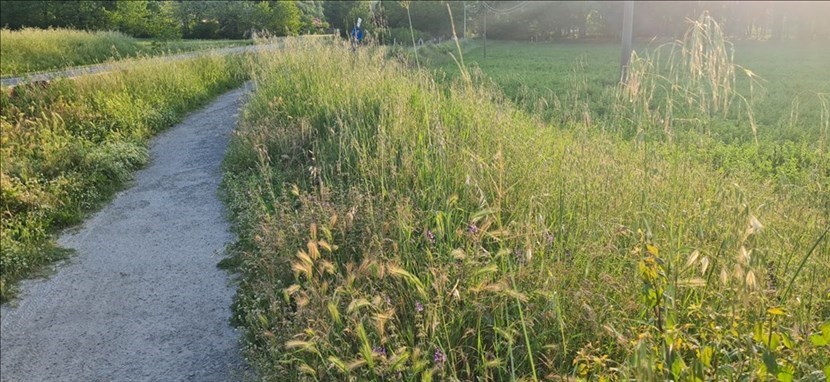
(397, 228)
(770, 126)
(33, 50)
(70, 144)
(695, 84)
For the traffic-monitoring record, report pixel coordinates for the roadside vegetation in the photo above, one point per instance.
(68, 145)
(394, 227)
(35, 50)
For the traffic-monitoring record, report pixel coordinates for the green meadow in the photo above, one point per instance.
(791, 89)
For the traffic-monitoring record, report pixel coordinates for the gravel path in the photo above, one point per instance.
(142, 300)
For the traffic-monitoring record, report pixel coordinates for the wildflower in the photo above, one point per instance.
(430, 237)
(550, 238)
(472, 228)
(439, 358)
(772, 281)
(379, 350)
(419, 307)
(517, 253)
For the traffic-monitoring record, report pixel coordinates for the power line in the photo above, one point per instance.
(495, 10)
(504, 11)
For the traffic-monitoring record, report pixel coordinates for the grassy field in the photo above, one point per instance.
(571, 84)
(544, 78)
(67, 146)
(531, 220)
(35, 50)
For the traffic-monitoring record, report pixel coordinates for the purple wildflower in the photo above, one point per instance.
(431, 237)
(379, 350)
(419, 307)
(439, 358)
(472, 228)
(517, 253)
(550, 238)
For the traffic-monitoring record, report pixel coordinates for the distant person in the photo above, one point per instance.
(356, 34)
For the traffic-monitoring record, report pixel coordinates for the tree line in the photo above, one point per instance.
(654, 19)
(169, 19)
(388, 21)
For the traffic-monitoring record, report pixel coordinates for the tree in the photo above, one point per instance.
(190, 16)
(430, 17)
(344, 14)
(129, 17)
(19, 14)
(287, 18)
(44, 14)
(161, 21)
(142, 18)
(312, 18)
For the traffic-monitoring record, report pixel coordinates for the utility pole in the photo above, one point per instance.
(464, 35)
(485, 32)
(628, 24)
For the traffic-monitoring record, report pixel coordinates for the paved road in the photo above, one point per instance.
(142, 300)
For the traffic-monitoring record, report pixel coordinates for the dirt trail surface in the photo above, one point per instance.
(142, 299)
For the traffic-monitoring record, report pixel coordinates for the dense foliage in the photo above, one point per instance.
(168, 19)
